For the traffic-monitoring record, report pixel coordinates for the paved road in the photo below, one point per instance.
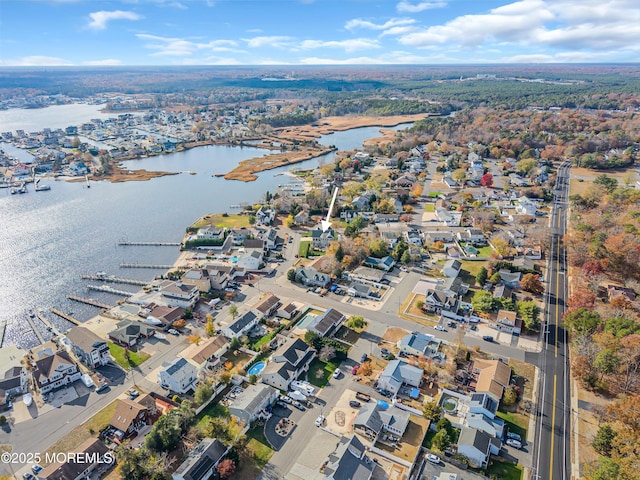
(38, 434)
(552, 445)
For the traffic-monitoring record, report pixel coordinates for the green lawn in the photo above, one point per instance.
(320, 372)
(303, 249)
(505, 471)
(259, 446)
(230, 221)
(434, 194)
(473, 267)
(485, 252)
(265, 339)
(515, 422)
(429, 207)
(118, 354)
(428, 438)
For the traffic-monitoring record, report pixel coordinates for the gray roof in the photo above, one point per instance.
(374, 417)
(84, 338)
(176, 366)
(328, 322)
(455, 264)
(349, 461)
(252, 398)
(201, 459)
(401, 372)
(417, 341)
(242, 322)
(475, 438)
(268, 303)
(484, 400)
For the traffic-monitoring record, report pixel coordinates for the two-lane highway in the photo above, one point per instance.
(552, 445)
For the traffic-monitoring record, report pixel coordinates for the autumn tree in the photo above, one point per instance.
(432, 411)
(531, 283)
(233, 311)
(416, 189)
(486, 180)
(364, 369)
(209, 327)
(227, 468)
(194, 339)
(327, 353)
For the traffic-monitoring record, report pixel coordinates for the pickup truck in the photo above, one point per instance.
(363, 396)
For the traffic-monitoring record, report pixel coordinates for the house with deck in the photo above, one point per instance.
(290, 360)
(88, 347)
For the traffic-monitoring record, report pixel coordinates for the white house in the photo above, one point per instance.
(250, 260)
(525, 206)
(477, 446)
(321, 239)
(251, 401)
(311, 277)
(240, 325)
(398, 373)
(178, 375)
(414, 238)
(451, 268)
(202, 461)
(416, 343)
(88, 347)
(507, 321)
(373, 419)
(265, 216)
(287, 363)
(16, 379)
(55, 370)
(179, 294)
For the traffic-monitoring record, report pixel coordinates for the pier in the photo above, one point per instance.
(112, 279)
(125, 243)
(145, 265)
(68, 318)
(46, 321)
(35, 329)
(108, 289)
(89, 301)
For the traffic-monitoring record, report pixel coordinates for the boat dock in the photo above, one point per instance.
(125, 243)
(89, 301)
(34, 328)
(68, 318)
(112, 279)
(145, 265)
(108, 289)
(46, 321)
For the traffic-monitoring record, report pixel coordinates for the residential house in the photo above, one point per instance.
(250, 260)
(477, 446)
(501, 291)
(493, 377)
(265, 216)
(271, 239)
(88, 347)
(451, 268)
(523, 263)
(414, 238)
(509, 278)
(221, 275)
(15, 380)
(372, 419)
(387, 217)
(360, 290)
(472, 235)
(444, 236)
(288, 362)
(207, 354)
(202, 461)
(366, 273)
(406, 180)
(302, 217)
(416, 343)
(526, 206)
(54, 370)
(247, 406)
(361, 202)
(211, 232)
(90, 460)
(321, 239)
(385, 263)
(448, 218)
(309, 276)
(328, 323)
(269, 306)
(129, 332)
(241, 325)
(349, 461)
(450, 182)
(397, 374)
(238, 235)
(198, 277)
(615, 291)
(482, 415)
(391, 238)
(130, 416)
(289, 311)
(178, 375)
(179, 294)
(437, 300)
(507, 321)
(163, 315)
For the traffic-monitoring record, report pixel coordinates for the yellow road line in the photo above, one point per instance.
(553, 427)
(555, 341)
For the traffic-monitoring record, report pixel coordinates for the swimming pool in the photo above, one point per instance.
(257, 368)
(306, 320)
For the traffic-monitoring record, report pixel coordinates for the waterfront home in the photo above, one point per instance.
(16, 379)
(373, 419)
(89, 460)
(268, 306)
(320, 239)
(265, 216)
(198, 277)
(247, 406)
(398, 373)
(178, 375)
(179, 294)
(238, 235)
(288, 362)
(163, 315)
(349, 461)
(129, 332)
(88, 347)
(54, 370)
(207, 354)
(477, 446)
(309, 276)
(241, 325)
(211, 232)
(202, 460)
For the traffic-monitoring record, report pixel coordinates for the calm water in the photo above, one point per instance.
(58, 116)
(47, 239)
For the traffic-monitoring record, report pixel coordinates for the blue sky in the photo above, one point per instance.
(308, 32)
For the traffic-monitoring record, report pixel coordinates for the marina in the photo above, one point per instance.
(89, 301)
(114, 279)
(32, 324)
(108, 289)
(146, 265)
(46, 321)
(67, 317)
(125, 243)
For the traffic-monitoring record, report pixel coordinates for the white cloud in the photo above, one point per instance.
(279, 41)
(399, 30)
(168, 46)
(350, 45)
(342, 61)
(409, 7)
(36, 61)
(99, 19)
(394, 22)
(105, 63)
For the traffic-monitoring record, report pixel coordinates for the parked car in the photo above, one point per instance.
(363, 358)
(28, 476)
(473, 327)
(336, 373)
(487, 338)
(384, 352)
(298, 405)
(514, 443)
(286, 399)
(102, 388)
(514, 436)
(354, 370)
(173, 331)
(36, 468)
(319, 421)
(133, 392)
(354, 404)
(433, 458)
(440, 328)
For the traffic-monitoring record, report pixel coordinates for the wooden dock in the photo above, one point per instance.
(145, 265)
(125, 243)
(69, 318)
(112, 279)
(35, 329)
(108, 289)
(89, 301)
(50, 326)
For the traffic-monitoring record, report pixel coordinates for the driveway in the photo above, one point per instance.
(114, 374)
(276, 441)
